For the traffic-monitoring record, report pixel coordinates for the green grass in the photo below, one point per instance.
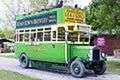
(113, 66)
(8, 75)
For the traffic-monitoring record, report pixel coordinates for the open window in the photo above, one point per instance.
(21, 37)
(61, 34)
(26, 38)
(33, 36)
(72, 36)
(84, 37)
(26, 35)
(47, 34)
(71, 28)
(40, 36)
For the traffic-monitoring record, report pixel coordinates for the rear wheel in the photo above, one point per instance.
(24, 62)
(100, 68)
(77, 68)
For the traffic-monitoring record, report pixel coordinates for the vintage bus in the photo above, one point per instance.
(57, 37)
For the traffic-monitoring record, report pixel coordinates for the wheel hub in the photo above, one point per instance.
(77, 70)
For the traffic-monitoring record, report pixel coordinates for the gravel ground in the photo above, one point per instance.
(13, 65)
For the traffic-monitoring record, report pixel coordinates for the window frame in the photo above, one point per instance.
(62, 36)
(52, 29)
(48, 29)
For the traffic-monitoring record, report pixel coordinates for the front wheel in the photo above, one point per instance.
(77, 68)
(100, 68)
(24, 62)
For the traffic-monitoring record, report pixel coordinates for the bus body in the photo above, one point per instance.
(57, 36)
(52, 50)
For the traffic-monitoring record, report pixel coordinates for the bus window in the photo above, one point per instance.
(26, 30)
(33, 30)
(61, 34)
(33, 36)
(84, 37)
(21, 31)
(47, 28)
(71, 28)
(47, 36)
(40, 36)
(54, 36)
(73, 36)
(26, 37)
(21, 37)
(40, 29)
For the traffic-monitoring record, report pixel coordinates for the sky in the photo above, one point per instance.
(81, 3)
(4, 9)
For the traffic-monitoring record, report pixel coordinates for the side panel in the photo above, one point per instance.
(60, 16)
(79, 51)
(51, 52)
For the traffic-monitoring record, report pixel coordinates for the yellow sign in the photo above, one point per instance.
(74, 15)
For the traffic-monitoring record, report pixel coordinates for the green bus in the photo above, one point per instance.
(57, 37)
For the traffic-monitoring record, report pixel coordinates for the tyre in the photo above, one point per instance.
(24, 62)
(100, 68)
(77, 69)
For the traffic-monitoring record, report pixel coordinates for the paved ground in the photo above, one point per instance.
(6, 54)
(13, 65)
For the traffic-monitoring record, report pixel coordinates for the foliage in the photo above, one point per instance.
(8, 75)
(7, 33)
(38, 4)
(104, 15)
(113, 66)
(1, 34)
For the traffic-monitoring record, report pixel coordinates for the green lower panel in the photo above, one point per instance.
(51, 52)
(79, 51)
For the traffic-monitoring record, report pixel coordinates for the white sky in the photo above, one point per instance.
(83, 3)
(4, 9)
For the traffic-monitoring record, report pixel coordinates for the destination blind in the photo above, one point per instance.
(74, 16)
(39, 20)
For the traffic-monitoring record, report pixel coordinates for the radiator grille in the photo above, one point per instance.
(96, 54)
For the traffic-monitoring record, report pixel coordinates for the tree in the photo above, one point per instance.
(14, 8)
(104, 16)
(38, 4)
(7, 33)
(2, 34)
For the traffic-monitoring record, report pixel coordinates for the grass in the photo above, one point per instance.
(113, 66)
(8, 75)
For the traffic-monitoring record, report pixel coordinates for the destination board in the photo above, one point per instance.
(38, 20)
(74, 15)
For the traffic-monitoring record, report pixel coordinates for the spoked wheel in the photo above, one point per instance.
(77, 69)
(100, 68)
(24, 62)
